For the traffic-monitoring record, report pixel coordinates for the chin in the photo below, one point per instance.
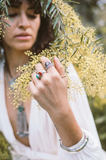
(23, 47)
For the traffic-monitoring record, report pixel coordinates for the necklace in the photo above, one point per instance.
(22, 128)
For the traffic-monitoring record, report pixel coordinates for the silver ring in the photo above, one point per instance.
(48, 65)
(63, 76)
(40, 74)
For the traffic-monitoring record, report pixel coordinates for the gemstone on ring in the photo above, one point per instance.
(38, 76)
(41, 73)
(48, 64)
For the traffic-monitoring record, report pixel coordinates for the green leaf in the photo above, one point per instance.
(6, 10)
(87, 29)
(66, 50)
(1, 1)
(61, 12)
(48, 4)
(53, 13)
(59, 38)
(53, 52)
(6, 24)
(72, 1)
(59, 42)
(11, 19)
(57, 46)
(71, 33)
(93, 50)
(2, 8)
(63, 51)
(74, 51)
(55, 31)
(90, 44)
(52, 8)
(98, 40)
(85, 39)
(57, 18)
(81, 38)
(100, 45)
(52, 44)
(8, 2)
(66, 43)
(44, 13)
(62, 60)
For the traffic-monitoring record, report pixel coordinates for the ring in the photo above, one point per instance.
(48, 64)
(63, 76)
(40, 74)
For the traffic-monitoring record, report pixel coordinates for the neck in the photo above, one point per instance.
(15, 58)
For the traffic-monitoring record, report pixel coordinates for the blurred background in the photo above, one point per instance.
(93, 13)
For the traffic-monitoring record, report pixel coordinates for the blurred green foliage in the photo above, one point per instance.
(4, 148)
(93, 13)
(98, 107)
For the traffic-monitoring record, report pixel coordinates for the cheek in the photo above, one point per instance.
(6, 39)
(36, 26)
(9, 22)
(10, 28)
(8, 33)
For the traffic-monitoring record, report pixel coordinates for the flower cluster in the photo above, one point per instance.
(73, 44)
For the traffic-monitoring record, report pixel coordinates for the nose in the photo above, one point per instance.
(23, 21)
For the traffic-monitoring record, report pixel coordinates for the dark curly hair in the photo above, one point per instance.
(45, 33)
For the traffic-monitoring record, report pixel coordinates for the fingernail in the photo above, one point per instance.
(57, 59)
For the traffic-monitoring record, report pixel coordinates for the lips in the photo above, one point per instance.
(23, 34)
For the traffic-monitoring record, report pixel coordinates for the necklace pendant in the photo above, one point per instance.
(22, 128)
(22, 123)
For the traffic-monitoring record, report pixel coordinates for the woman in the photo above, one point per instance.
(72, 122)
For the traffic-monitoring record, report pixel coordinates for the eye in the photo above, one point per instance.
(32, 16)
(12, 15)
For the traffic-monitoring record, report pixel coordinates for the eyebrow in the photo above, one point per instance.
(13, 6)
(17, 6)
(32, 7)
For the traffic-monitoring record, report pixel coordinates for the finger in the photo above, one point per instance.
(39, 67)
(59, 67)
(32, 88)
(49, 70)
(35, 79)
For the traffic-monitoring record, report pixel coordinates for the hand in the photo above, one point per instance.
(51, 90)
(51, 93)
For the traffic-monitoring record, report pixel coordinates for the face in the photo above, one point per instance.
(24, 29)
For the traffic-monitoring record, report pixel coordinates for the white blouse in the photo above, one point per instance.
(43, 138)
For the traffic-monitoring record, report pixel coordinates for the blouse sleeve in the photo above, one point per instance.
(83, 115)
